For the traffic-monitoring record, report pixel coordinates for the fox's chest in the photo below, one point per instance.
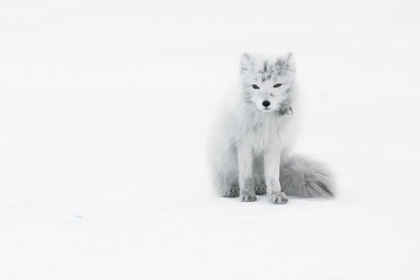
(264, 133)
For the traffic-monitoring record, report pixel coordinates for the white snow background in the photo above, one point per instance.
(105, 108)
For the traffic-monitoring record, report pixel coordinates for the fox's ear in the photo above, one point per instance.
(290, 62)
(246, 62)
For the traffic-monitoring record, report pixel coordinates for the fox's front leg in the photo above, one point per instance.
(272, 175)
(246, 180)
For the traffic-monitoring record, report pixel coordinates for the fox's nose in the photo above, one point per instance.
(266, 103)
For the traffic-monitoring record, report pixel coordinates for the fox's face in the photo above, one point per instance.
(267, 81)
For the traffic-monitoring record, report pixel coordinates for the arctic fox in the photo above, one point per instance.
(249, 152)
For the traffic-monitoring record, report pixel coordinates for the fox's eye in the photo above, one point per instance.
(255, 86)
(277, 85)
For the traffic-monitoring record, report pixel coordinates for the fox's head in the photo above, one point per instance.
(267, 81)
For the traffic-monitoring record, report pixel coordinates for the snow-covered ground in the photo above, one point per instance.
(105, 108)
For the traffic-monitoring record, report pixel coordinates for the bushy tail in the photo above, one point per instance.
(300, 176)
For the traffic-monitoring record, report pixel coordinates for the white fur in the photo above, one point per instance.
(250, 142)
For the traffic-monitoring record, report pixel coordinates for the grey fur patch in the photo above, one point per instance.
(279, 198)
(261, 189)
(267, 71)
(280, 66)
(285, 107)
(232, 191)
(325, 188)
(248, 197)
(284, 111)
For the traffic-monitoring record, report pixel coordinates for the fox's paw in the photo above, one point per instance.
(279, 198)
(260, 189)
(233, 191)
(248, 197)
